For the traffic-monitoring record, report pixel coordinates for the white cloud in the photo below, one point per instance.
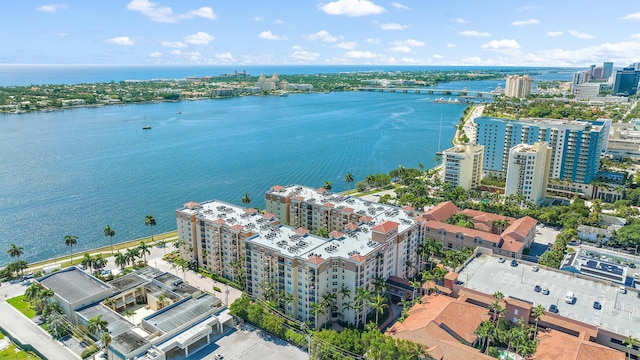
(635, 36)
(258, 18)
(174, 44)
(225, 57)
(474, 33)
(268, 35)
(554, 33)
(199, 38)
(527, 8)
(159, 13)
(373, 41)
(624, 52)
(352, 8)
(580, 35)
(51, 8)
(411, 61)
(459, 20)
(278, 22)
(635, 16)
(194, 56)
(437, 56)
(347, 45)
(392, 26)
(302, 55)
(323, 36)
(155, 55)
(504, 44)
(175, 52)
(400, 6)
(204, 12)
(525, 22)
(401, 48)
(120, 40)
(409, 42)
(450, 45)
(361, 55)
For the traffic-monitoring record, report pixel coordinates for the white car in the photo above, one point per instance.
(534, 269)
(622, 289)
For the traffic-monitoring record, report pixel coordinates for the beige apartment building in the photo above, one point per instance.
(518, 86)
(275, 256)
(463, 165)
(527, 171)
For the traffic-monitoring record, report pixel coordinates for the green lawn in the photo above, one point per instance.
(22, 305)
(14, 353)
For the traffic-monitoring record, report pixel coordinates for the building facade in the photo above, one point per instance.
(276, 257)
(527, 171)
(518, 86)
(463, 165)
(626, 81)
(576, 145)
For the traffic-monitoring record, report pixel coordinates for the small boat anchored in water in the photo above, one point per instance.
(146, 126)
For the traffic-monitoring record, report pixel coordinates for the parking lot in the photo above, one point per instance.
(620, 312)
(249, 344)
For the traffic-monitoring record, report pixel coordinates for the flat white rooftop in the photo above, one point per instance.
(620, 313)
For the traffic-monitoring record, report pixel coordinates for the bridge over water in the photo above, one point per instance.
(431, 91)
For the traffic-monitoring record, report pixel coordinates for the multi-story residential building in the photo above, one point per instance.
(588, 91)
(503, 235)
(527, 171)
(463, 165)
(576, 144)
(518, 86)
(275, 256)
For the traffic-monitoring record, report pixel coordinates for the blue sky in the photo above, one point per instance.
(288, 32)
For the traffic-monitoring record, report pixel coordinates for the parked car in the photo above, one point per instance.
(534, 269)
(501, 260)
(597, 305)
(537, 288)
(622, 289)
(514, 263)
(218, 357)
(545, 291)
(553, 308)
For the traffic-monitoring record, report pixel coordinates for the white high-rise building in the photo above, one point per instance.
(463, 165)
(518, 86)
(527, 171)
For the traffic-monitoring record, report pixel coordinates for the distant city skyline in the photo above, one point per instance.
(339, 32)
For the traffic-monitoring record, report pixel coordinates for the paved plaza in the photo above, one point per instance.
(620, 312)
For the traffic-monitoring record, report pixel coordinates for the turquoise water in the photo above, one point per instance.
(73, 172)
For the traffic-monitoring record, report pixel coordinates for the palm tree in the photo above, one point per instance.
(327, 185)
(344, 292)
(99, 262)
(87, 261)
(131, 254)
(536, 312)
(150, 221)
(316, 309)
(97, 324)
(630, 342)
(70, 240)
(129, 314)
(144, 250)
(484, 331)
(379, 303)
(161, 300)
(415, 286)
(108, 231)
(361, 299)
(379, 284)
(246, 200)
(328, 300)
(32, 292)
(15, 251)
(121, 260)
(105, 338)
(349, 179)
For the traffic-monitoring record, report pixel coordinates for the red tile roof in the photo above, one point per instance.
(191, 204)
(512, 245)
(385, 227)
(302, 231)
(250, 210)
(441, 212)
(237, 227)
(485, 216)
(351, 226)
(347, 209)
(219, 222)
(336, 234)
(357, 257)
(520, 228)
(268, 215)
(315, 259)
(321, 190)
(485, 236)
(277, 188)
(365, 219)
(557, 345)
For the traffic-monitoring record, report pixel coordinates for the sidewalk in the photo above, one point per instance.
(27, 332)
